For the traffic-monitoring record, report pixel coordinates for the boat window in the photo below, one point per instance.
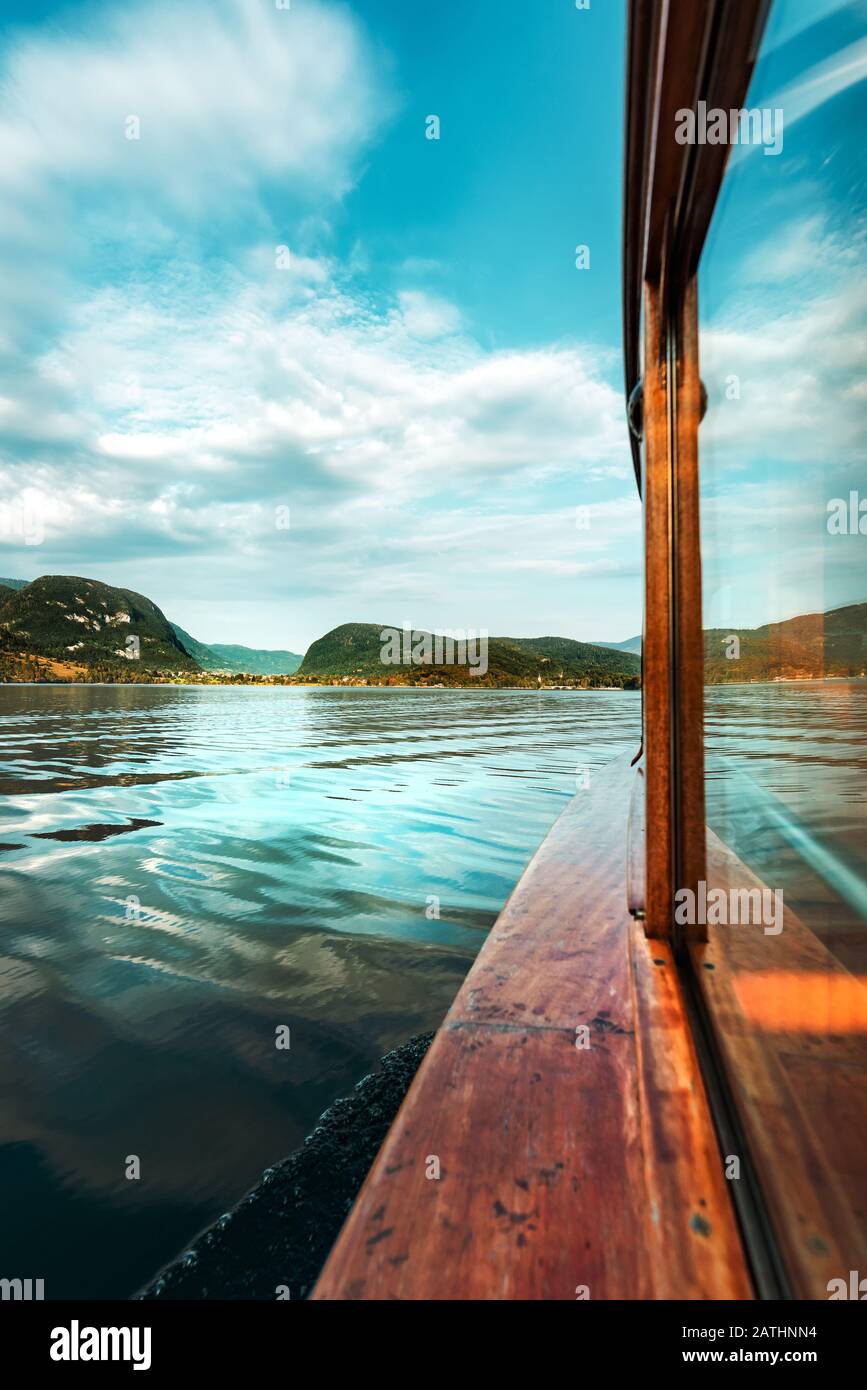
(784, 485)
(783, 343)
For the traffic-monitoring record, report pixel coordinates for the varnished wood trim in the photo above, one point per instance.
(734, 39)
(643, 32)
(561, 1166)
(684, 1170)
(658, 599)
(679, 52)
(688, 672)
(686, 33)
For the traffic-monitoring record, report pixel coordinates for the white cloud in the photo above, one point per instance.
(251, 399)
(425, 316)
(246, 112)
(225, 91)
(798, 348)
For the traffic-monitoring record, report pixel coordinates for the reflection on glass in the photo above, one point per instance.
(783, 295)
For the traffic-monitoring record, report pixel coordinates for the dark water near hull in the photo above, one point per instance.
(186, 870)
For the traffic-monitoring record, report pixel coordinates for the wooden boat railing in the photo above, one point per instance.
(557, 1142)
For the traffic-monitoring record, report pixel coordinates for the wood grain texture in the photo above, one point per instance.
(688, 669)
(644, 32)
(561, 1166)
(685, 30)
(790, 1024)
(687, 1195)
(728, 62)
(658, 599)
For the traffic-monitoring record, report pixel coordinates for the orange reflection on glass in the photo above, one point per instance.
(787, 1001)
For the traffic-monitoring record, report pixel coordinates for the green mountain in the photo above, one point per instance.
(348, 650)
(632, 644)
(813, 644)
(356, 650)
(36, 623)
(83, 621)
(256, 662)
(202, 655)
(596, 655)
(221, 656)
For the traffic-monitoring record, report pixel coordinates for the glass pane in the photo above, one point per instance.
(783, 295)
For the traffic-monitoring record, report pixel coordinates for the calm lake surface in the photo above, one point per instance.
(184, 870)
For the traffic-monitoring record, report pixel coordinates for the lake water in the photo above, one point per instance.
(185, 870)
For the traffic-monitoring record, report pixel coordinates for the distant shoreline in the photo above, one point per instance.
(329, 685)
(270, 684)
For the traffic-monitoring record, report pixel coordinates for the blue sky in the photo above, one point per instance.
(430, 386)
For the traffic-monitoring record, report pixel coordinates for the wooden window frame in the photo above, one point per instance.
(778, 1083)
(680, 52)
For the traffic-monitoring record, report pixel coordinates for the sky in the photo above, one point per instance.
(783, 309)
(276, 359)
